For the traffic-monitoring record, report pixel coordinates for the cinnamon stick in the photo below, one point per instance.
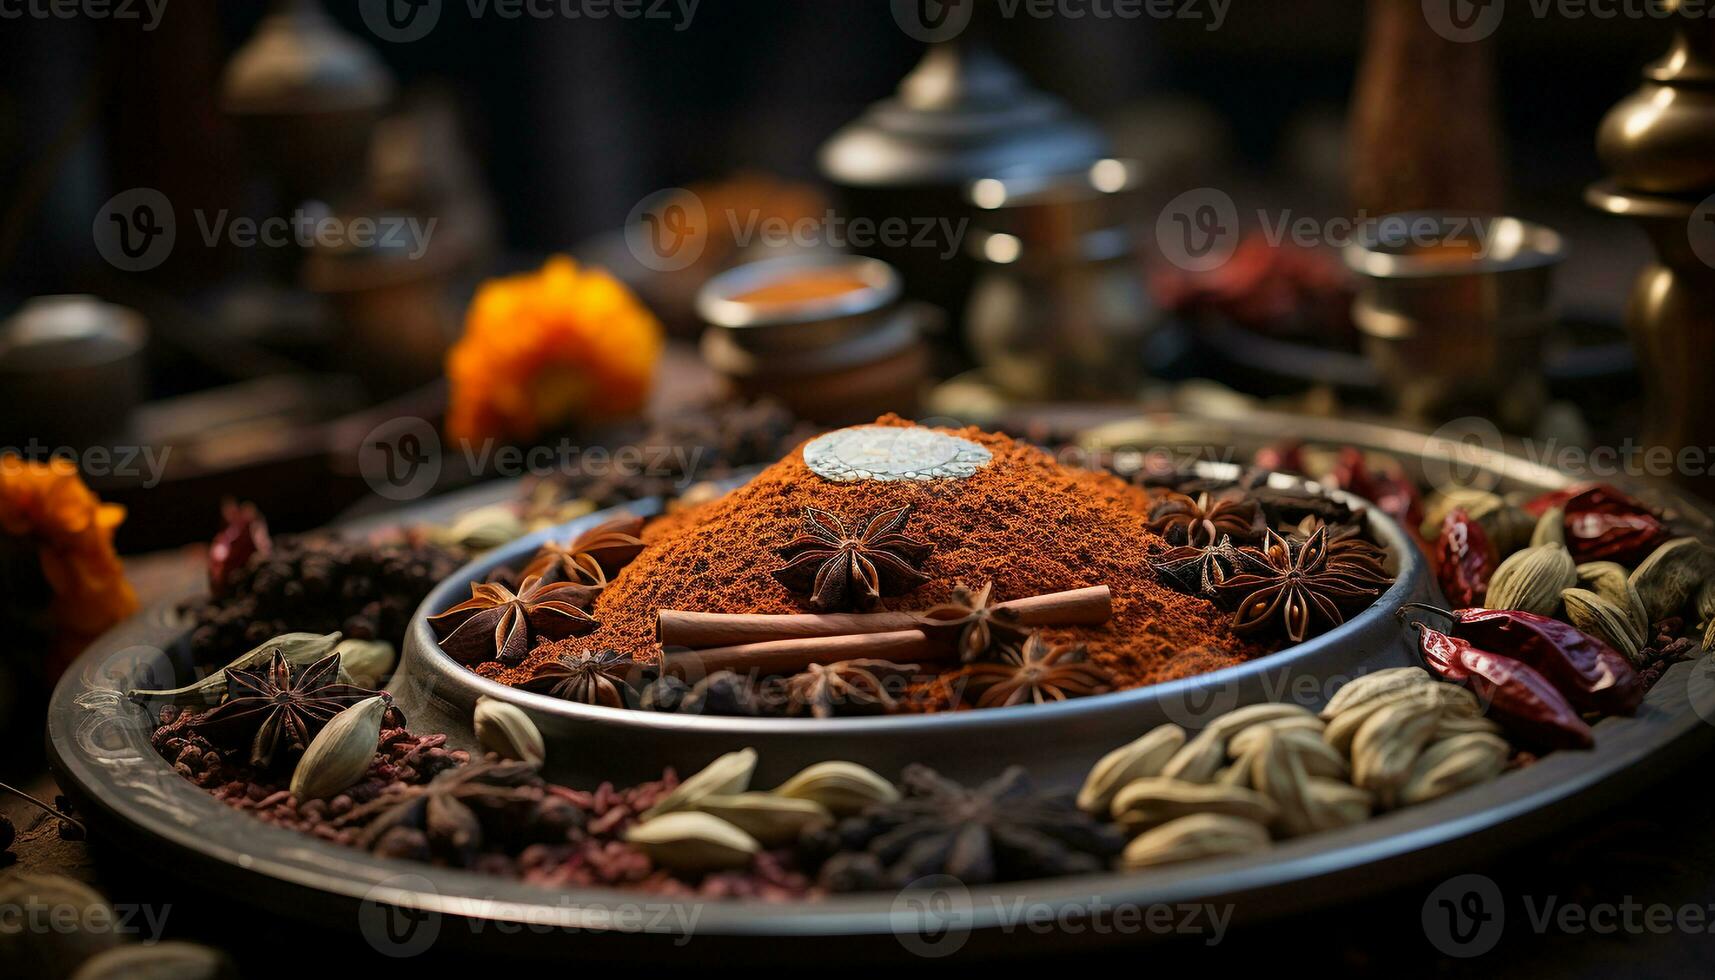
(1091, 606)
(1078, 607)
(792, 656)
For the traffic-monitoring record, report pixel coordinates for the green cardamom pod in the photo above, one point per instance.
(1613, 582)
(1153, 801)
(1239, 719)
(366, 663)
(1372, 685)
(1550, 528)
(151, 961)
(1198, 760)
(1509, 528)
(480, 529)
(1387, 745)
(728, 775)
(1202, 835)
(1134, 760)
(1532, 580)
(774, 821)
(504, 729)
(1330, 804)
(1706, 613)
(1452, 764)
(341, 752)
(1452, 701)
(299, 649)
(845, 788)
(1672, 574)
(693, 843)
(1601, 619)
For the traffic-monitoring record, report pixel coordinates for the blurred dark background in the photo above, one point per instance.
(574, 121)
(526, 136)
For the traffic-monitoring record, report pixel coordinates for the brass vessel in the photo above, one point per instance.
(1659, 143)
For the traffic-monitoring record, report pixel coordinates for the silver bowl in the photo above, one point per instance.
(587, 743)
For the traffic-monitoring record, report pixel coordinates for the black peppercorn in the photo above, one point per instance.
(721, 693)
(853, 873)
(666, 694)
(317, 584)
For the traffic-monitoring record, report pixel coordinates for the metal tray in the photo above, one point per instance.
(99, 749)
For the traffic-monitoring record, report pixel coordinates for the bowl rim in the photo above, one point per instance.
(422, 645)
(1533, 246)
(718, 304)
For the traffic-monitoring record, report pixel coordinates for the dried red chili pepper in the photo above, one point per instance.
(1464, 560)
(1516, 695)
(1390, 490)
(1282, 457)
(1592, 675)
(244, 533)
(1604, 523)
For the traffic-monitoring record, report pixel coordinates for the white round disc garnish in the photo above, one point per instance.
(889, 454)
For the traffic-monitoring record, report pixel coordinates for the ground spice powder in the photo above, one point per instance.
(1027, 523)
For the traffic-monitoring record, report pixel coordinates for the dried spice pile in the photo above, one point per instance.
(1024, 522)
(521, 826)
(366, 590)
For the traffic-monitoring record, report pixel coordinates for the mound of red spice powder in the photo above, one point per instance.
(1024, 521)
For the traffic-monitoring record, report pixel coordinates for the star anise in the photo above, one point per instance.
(600, 677)
(592, 557)
(1192, 569)
(1203, 520)
(497, 624)
(1297, 586)
(275, 710)
(1003, 830)
(1035, 672)
(980, 625)
(1344, 541)
(847, 687)
(448, 809)
(841, 570)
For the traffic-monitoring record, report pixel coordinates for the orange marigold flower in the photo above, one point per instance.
(47, 506)
(544, 348)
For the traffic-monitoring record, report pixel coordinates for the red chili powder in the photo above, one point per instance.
(1027, 523)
